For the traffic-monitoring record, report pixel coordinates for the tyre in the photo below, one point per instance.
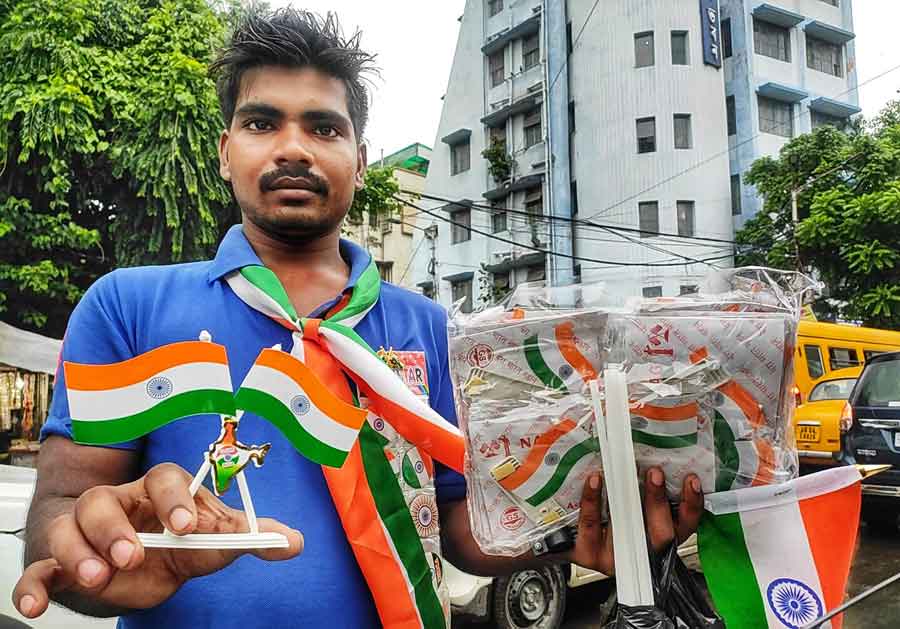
(532, 599)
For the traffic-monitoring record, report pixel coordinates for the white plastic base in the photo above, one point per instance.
(214, 541)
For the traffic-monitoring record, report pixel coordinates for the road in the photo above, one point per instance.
(877, 558)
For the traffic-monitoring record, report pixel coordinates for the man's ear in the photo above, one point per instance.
(362, 162)
(224, 168)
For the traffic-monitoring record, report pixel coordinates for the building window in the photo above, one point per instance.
(731, 115)
(687, 289)
(820, 120)
(824, 56)
(735, 195)
(650, 292)
(646, 135)
(685, 211)
(533, 132)
(772, 40)
(462, 290)
(536, 274)
(643, 50)
(496, 66)
(385, 270)
(834, 3)
(498, 137)
(494, 7)
(683, 135)
(776, 117)
(534, 203)
(460, 228)
(428, 290)
(727, 46)
(500, 284)
(373, 220)
(459, 158)
(648, 215)
(498, 221)
(680, 48)
(531, 51)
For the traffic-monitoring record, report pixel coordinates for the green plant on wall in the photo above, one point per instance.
(500, 163)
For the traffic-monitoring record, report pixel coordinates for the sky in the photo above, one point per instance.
(415, 41)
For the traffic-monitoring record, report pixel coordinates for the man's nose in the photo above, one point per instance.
(293, 146)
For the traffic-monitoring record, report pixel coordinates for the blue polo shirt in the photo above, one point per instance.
(131, 311)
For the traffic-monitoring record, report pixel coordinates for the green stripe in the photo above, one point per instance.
(664, 442)
(266, 281)
(409, 473)
(729, 571)
(395, 515)
(363, 295)
(110, 431)
(728, 459)
(570, 458)
(539, 367)
(272, 410)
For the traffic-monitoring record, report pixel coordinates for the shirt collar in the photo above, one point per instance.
(235, 252)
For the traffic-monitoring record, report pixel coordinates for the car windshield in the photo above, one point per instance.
(832, 390)
(880, 385)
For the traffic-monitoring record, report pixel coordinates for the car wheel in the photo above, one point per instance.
(532, 599)
(881, 520)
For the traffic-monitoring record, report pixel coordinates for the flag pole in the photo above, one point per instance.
(818, 622)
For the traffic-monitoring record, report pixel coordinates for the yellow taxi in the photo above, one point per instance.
(818, 422)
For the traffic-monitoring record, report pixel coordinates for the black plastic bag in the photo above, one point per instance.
(680, 602)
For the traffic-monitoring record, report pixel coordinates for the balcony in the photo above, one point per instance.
(523, 29)
(498, 117)
(522, 183)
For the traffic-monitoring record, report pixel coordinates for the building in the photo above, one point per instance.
(614, 113)
(790, 66)
(390, 239)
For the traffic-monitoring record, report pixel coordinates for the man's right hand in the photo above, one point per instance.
(95, 551)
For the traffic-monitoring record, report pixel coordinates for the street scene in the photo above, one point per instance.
(527, 314)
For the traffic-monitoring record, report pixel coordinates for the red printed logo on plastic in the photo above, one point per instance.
(512, 519)
(481, 355)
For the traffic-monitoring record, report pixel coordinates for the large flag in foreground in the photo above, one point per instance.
(126, 400)
(286, 392)
(779, 556)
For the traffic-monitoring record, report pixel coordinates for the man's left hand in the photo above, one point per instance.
(594, 546)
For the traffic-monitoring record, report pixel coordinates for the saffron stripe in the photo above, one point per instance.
(123, 429)
(562, 471)
(667, 413)
(537, 365)
(748, 405)
(535, 456)
(565, 340)
(81, 377)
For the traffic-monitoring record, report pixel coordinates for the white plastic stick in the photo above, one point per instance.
(248, 503)
(211, 541)
(198, 477)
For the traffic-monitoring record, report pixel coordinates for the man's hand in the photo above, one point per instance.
(95, 551)
(594, 546)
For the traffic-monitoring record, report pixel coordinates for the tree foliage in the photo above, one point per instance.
(848, 232)
(378, 196)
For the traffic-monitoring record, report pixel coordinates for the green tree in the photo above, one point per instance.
(848, 232)
(379, 196)
(108, 129)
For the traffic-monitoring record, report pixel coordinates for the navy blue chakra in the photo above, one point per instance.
(300, 405)
(793, 602)
(159, 387)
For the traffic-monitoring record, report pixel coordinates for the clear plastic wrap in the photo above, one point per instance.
(709, 376)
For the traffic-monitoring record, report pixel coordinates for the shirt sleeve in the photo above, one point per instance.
(97, 333)
(449, 484)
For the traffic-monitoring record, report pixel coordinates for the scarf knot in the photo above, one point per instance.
(310, 329)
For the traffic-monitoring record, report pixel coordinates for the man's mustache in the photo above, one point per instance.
(313, 182)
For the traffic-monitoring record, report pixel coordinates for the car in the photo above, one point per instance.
(528, 599)
(873, 414)
(16, 488)
(817, 425)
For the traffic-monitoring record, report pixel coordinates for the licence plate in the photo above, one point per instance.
(811, 433)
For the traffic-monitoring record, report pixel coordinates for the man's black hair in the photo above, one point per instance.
(293, 38)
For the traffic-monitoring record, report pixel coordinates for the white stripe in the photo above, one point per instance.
(765, 496)
(134, 398)
(677, 428)
(315, 422)
(256, 297)
(778, 547)
(351, 322)
(554, 359)
(735, 417)
(380, 377)
(543, 473)
(399, 563)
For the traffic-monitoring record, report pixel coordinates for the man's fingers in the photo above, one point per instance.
(691, 508)
(78, 559)
(104, 523)
(589, 519)
(31, 596)
(295, 539)
(657, 513)
(168, 487)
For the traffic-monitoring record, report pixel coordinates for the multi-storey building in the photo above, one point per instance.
(619, 113)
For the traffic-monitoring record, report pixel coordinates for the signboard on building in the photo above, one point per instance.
(709, 26)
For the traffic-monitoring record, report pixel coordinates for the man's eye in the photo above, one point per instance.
(327, 131)
(258, 125)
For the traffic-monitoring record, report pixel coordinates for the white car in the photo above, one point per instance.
(530, 599)
(16, 488)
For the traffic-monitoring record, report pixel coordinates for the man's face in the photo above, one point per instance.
(291, 152)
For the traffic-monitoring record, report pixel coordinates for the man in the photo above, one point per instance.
(295, 107)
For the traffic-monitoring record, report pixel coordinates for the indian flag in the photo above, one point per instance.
(417, 470)
(123, 401)
(779, 556)
(557, 362)
(665, 427)
(741, 462)
(285, 392)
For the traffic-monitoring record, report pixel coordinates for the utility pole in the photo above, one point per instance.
(431, 233)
